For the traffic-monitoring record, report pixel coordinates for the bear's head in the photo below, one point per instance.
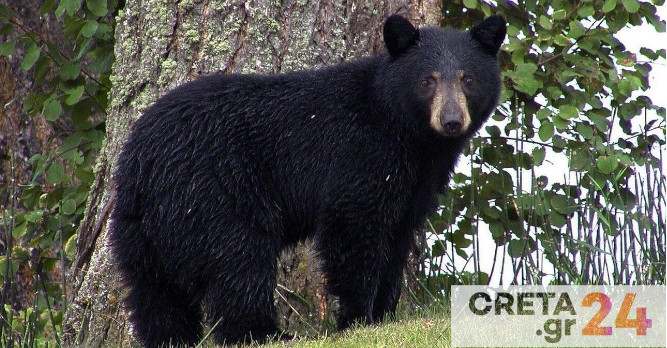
(445, 79)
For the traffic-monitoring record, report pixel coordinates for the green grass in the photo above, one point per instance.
(429, 329)
(416, 332)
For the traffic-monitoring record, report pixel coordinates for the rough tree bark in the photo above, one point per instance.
(163, 43)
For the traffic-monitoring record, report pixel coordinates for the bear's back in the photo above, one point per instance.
(266, 139)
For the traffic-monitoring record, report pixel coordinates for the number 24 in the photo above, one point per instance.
(622, 321)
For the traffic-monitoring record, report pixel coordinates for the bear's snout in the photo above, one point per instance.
(449, 111)
(452, 124)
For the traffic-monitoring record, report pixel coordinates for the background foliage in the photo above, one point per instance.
(39, 224)
(573, 100)
(568, 176)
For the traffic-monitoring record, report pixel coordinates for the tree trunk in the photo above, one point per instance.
(163, 43)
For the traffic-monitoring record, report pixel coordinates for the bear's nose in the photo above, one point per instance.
(452, 128)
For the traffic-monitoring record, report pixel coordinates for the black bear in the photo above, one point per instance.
(221, 174)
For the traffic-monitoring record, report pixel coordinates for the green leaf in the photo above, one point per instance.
(538, 155)
(609, 5)
(31, 55)
(497, 229)
(104, 31)
(559, 14)
(624, 199)
(586, 11)
(561, 40)
(68, 207)
(89, 28)
(528, 85)
(458, 239)
(563, 204)
(34, 216)
(568, 111)
(30, 195)
(47, 6)
(617, 19)
(629, 84)
(542, 114)
(471, 4)
(557, 219)
(631, 6)
(32, 102)
(7, 48)
(480, 278)
(493, 131)
(72, 141)
(648, 53)
(55, 173)
(560, 123)
(526, 70)
(658, 24)
(83, 48)
(491, 213)
(97, 7)
(545, 22)
(70, 246)
(524, 78)
(607, 164)
(461, 253)
(512, 30)
(19, 230)
(6, 13)
(438, 249)
(74, 156)
(584, 130)
(69, 6)
(517, 248)
(466, 228)
(73, 95)
(69, 71)
(546, 130)
(52, 110)
(576, 30)
(41, 69)
(601, 123)
(579, 161)
(5, 30)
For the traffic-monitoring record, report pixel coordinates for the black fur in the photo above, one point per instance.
(223, 173)
(399, 35)
(490, 34)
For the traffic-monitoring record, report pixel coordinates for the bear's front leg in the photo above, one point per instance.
(391, 278)
(353, 252)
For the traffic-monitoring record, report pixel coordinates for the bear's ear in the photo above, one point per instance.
(399, 35)
(490, 34)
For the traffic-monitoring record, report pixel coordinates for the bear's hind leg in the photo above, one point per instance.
(162, 314)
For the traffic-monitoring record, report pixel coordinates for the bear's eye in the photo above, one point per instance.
(467, 80)
(428, 82)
